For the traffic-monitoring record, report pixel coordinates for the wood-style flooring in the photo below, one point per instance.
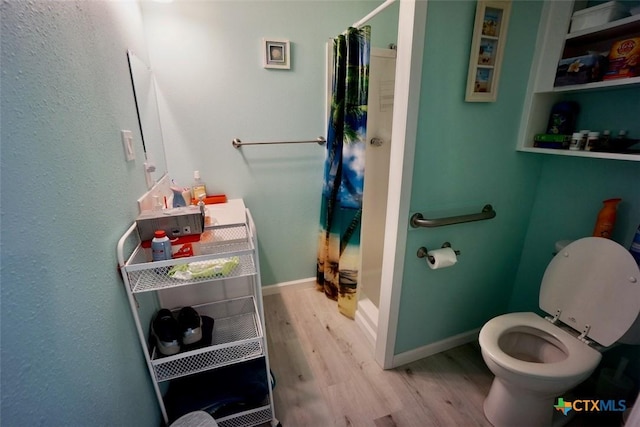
(326, 375)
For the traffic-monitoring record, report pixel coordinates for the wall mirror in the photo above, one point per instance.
(144, 92)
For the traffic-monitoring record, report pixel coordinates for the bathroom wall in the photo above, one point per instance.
(569, 197)
(465, 157)
(213, 88)
(70, 354)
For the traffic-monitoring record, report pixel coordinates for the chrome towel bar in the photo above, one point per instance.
(417, 220)
(237, 143)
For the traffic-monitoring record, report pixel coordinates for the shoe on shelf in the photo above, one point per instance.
(190, 325)
(166, 332)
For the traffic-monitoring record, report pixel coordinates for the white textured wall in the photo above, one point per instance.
(69, 353)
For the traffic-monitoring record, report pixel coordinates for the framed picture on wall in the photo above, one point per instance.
(487, 47)
(276, 54)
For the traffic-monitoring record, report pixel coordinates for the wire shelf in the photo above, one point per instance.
(157, 275)
(231, 246)
(237, 336)
(247, 418)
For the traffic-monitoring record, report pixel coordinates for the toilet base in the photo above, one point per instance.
(508, 405)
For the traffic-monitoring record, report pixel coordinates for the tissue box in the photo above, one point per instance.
(177, 222)
(598, 15)
(580, 70)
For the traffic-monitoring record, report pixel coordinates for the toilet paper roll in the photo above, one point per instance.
(442, 258)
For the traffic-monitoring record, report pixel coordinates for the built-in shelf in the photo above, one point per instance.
(553, 44)
(592, 154)
(605, 84)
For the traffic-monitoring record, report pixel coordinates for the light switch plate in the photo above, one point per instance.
(127, 142)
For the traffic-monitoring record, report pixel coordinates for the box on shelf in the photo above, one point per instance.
(546, 140)
(624, 59)
(176, 222)
(580, 70)
(598, 15)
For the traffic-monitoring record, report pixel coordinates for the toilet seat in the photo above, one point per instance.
(580, 356)
(593, 286)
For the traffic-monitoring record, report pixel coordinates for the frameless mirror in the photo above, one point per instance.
(144, 93)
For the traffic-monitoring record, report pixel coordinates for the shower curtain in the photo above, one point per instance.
(341, 209)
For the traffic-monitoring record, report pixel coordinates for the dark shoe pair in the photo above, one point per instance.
(171, 333)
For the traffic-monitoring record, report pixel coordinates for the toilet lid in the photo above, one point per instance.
(596, 282)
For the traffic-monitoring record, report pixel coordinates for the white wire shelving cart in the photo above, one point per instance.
(230, 294)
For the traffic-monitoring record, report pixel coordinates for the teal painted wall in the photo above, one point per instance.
(207, 58)
(569, 197)
(465, 157)
(70, 354)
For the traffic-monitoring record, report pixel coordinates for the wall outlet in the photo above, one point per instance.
(127, 142)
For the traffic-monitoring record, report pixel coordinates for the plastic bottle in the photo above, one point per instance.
(605, 139)
(606, 218)
(577, 142)
(592, 141)
(160, 246)
(198, 188)
(635, 246)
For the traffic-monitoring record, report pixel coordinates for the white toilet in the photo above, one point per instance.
(591, 289)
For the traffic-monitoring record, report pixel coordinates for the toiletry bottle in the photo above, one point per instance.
(606, 218)
(635, 246)
(577, 142)
(160, 246)
(198, 188)
(593, 140)
(605, 140)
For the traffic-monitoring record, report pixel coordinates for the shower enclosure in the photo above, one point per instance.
(374, 204)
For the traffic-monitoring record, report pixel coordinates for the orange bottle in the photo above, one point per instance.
(606, 218)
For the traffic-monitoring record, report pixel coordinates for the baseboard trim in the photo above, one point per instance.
(367, 320)
(434, 348)
(294, 284)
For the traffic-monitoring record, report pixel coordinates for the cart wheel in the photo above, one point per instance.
(276, 423)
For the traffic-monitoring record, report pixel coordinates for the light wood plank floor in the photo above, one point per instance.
(326, 375)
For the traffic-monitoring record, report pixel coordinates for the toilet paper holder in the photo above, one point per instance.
(424, 252)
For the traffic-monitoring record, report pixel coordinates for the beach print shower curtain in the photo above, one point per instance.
(341, 209)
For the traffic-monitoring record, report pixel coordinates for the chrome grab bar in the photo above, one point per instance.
(417, 220)
(237, 143)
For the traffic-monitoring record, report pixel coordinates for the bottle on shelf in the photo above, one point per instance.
(605, 139)
(606, 218)
(198, 188)
(160, 246)
(622, 135)
(593, 141)
(635, 246)
(578, 141)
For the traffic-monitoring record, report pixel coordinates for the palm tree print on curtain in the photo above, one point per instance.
(341, 208)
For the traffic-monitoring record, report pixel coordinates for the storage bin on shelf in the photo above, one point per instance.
(598, 15)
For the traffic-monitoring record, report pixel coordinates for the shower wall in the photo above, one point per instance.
(374, 203)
